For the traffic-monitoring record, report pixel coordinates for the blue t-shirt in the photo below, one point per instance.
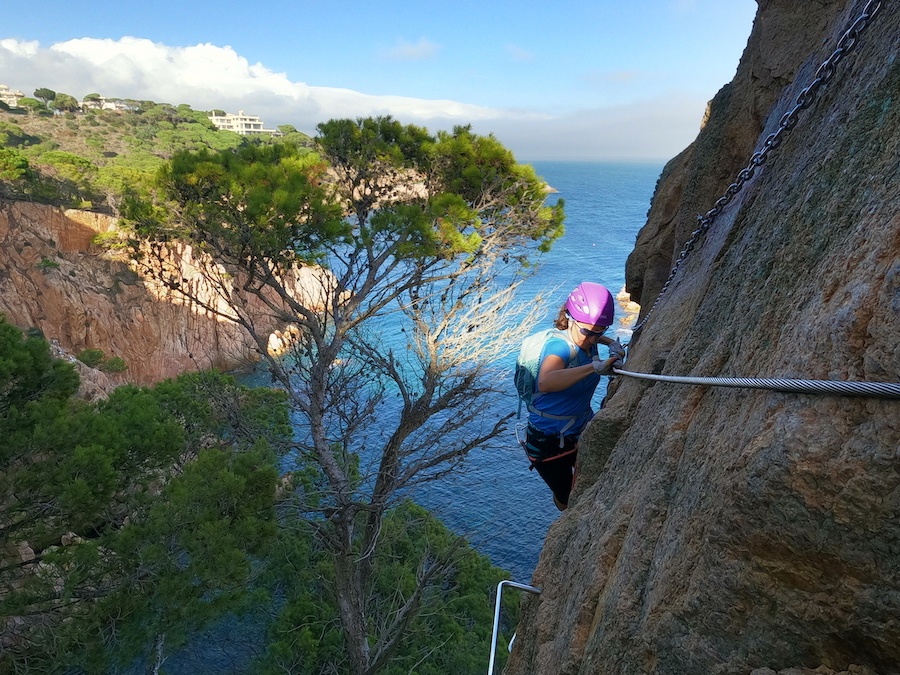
(574, 401)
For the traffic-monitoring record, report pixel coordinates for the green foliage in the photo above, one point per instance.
(451, 634)
(33, 106)
(13, 136)
(298, 139)
(70, 166)
(36, 150)
(13, 165)
(209, 402)
(44, 94)
(45, 265)
(119, 181)
(114, 364)
(361, 144)
(144, 511)
(91, 357)
(59, 177)
(259, 202)
(108, 153)
(29, 375)
(455, 172)
(95, 358)
(457, 615)
(472, 166)
(189, 555)
(65, 103)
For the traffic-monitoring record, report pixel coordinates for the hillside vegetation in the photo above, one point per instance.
(132, 526)
(90, 159)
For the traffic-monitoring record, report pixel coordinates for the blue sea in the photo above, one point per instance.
(503, 508)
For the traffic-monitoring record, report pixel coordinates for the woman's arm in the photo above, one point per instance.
(554, 376)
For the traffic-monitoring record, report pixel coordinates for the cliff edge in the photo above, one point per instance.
(719, 530)
(55, 278)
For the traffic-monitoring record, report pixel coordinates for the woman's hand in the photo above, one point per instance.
(605, 367)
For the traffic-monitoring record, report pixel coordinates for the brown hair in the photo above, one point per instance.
(562, 319)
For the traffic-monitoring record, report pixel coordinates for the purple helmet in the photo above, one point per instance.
(592, 304)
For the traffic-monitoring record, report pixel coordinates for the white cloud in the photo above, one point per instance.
(413, 51)
(19, 48)
(518, 53)
(205, 76)
(208, 77)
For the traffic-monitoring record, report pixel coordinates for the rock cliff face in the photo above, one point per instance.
(53, 277)
(722, 530)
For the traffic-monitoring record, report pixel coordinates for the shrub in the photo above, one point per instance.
(90, 357)
(46, 264)
(114, 364)
(13, 165)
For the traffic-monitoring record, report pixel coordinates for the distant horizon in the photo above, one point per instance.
(585, 160)
(627, 162)
(480, 126)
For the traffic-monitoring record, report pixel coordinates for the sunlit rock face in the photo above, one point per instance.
(54, 277)
(718, 530)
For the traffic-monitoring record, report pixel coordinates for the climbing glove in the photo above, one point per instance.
(616, 349)
(603, 367)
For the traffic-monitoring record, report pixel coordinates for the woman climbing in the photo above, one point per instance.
(568, 373)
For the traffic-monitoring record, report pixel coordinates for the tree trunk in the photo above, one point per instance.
(351, 605)
(156, 657)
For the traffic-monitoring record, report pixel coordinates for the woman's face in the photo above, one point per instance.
(586, 335)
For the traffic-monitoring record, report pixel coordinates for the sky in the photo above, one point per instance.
(592, 80)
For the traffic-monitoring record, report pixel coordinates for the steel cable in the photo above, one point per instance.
(886, 390)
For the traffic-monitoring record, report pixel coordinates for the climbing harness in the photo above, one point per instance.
(789, 120)
(521, 438)
(887, 390)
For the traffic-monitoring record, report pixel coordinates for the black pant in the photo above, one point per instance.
(555, 464)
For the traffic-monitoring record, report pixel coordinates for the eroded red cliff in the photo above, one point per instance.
(81, 296)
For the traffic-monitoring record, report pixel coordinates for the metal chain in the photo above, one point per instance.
(789, 120)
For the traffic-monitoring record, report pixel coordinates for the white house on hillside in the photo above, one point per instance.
(245, 125)
(102, 103)
(10, 97)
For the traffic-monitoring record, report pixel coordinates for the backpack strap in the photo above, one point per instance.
(562, 432)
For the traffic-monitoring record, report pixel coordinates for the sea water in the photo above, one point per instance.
(495, 501)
